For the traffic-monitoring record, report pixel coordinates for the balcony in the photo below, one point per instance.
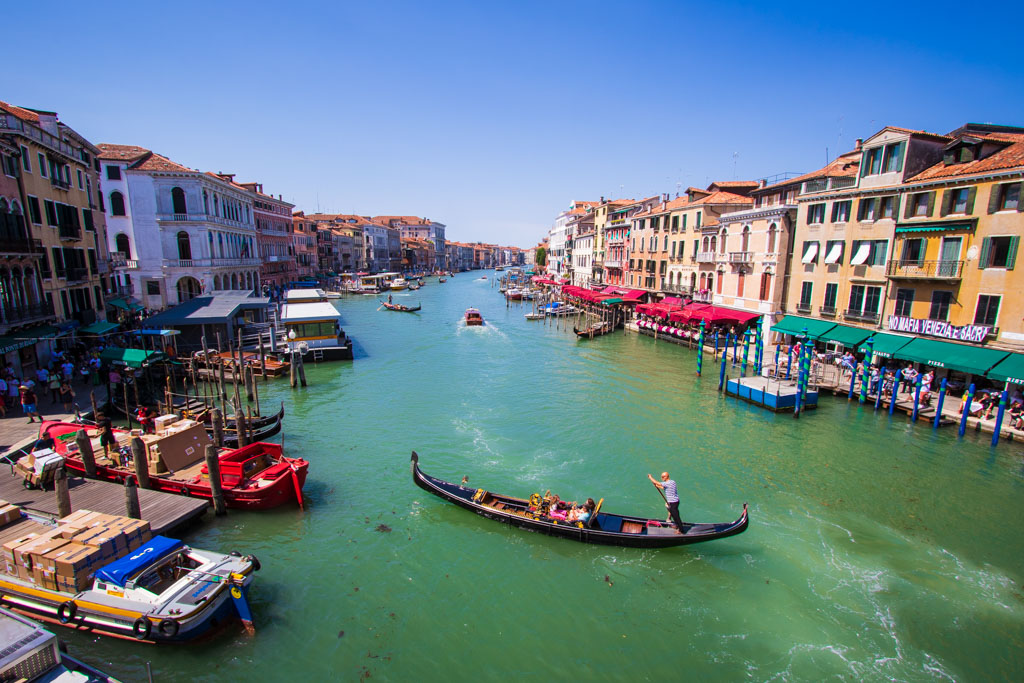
(861, 316)
(202, 218)
(677, 289)
(60, 183)
(803, 307)
(925, 270)
(826, 184)
(20, 246)
(613, 264)
(707, 257)
(741, 257)
(74, 274)
(27, 314)
(209, 262)
(829, 311)
(69, 232)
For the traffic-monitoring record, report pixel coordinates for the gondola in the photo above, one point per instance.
(603, 528)
(400, 308)
(593, 329)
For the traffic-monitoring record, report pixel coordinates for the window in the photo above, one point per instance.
(42, 164)
(684, 221)
(886, 159)
(178, 201)
(739, 284)
(675, 223)
(904, 302)
(869, 252)
(834, 251)
(959, 200)
(805, 295)
(893, 159)
(113, 172)
(152, 286)
(26, 159)
(81, 185)
(987, 311)
(878, 252)
(873, 161)
(998, 252)
(887, 207)
(664, 246)
(913, 251)
(831, 292)
(771, 239)
(116, 202)
(1005, 198)
(766, 287)
(866, 209)
(33, 210)
(940, 305)
(864, 301)
(44, 266)
(58, 261)
(87, 220)
(51, 212)
(698, 224)
(841, 212)
(92, 260)
(816, 213)
(920, 205)
(810, 253)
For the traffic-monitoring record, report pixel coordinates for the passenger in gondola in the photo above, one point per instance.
(583, 512)
(559, 510)
(389, 299)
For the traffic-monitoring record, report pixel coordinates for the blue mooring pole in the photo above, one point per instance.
(938, 406)
(746, 352)
(999, 416)
(777, 350)
(725, 351)
(721, 374)
(968, 399)
(789, 361)
(917, 398)
(716, 343)
(853, 380)
(895, 390)
(868, 358)
(735, 348)
(881, 383)
(808, 352)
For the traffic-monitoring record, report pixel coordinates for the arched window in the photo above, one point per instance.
(739, 284)
(188, 288)
(703, 281)
(711, 279)
(745, 239)
(206, 202)
(184, 246)
(766, 286)
(714, 245)
(123, 244)
(116, 204)
(178, 200)
(771, 239)
(234, 281)
(693, 280)
(216, 282)
(723, 237)
(3, 205)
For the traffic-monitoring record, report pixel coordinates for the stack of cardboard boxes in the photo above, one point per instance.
(38, 467)
(65, 558)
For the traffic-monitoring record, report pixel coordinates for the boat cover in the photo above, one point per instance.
(118, 571)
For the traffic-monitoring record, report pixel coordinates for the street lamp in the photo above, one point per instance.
(291, 338)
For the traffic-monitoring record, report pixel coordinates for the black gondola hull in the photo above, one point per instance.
(606, 529)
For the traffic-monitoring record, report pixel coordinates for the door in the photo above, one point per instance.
(949, 258)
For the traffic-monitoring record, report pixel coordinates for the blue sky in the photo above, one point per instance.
(492, 117)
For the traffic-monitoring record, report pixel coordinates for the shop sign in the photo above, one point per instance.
(939, 328)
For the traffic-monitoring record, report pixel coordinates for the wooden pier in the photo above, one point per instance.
(768, 392)
(163, 511)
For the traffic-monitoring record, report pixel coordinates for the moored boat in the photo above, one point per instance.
(399, 284)
(400, 308)
(593, 329)
(602, 527)
(473, 317)
(254, 477)
(534, 316)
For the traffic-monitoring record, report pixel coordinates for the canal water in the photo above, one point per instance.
(876, 549)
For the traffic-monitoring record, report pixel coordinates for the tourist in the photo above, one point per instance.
(107, 438)
(848, 362)
(909, 378)
(28, 403)
(3, 397)
(43, 376)
(54, 385)
(668, 487)
(67, 395)
(68, 369)
(1017, 415)
(12, 391)
(583, 512)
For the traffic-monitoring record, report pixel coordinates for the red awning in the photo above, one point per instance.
(658, 310)
(634, 294)
(694, 313)
(611, 289)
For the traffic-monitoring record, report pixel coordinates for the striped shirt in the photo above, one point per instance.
(670, 491)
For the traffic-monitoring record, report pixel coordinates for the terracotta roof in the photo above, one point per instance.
(722, 197)
(725, 184)
(910, 131)
(408, 220)
(21, 113)
(1011, 156)
(843, 166)
(111, 152)
(664, 207)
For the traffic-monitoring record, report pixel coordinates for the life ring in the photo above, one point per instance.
(236, 592)
(168, 628)
(254, 562)
(535, 499)
(235, 553)
(142, 628)
(184, 491)
(66, 612)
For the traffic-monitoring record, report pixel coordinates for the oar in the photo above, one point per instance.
(661, 492)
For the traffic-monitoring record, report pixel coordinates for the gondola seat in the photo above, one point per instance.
(607, 523)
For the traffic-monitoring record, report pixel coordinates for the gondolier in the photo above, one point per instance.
(668, 486)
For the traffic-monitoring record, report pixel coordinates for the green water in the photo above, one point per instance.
(876, 550)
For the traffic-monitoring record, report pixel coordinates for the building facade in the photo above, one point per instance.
(274, 236)
(304, 246)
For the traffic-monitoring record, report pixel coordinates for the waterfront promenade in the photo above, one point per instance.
(15, 429)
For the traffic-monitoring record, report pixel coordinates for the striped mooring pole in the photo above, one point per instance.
(966, 410)
(938, 406)
(881, 383)
(868, 355)
(917, 398)
(721, 374)
(999, 416)
(700, 349)
(746, 352)
(895, 390)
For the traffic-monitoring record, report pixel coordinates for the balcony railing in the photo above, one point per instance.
(74, 274)
(69, 232)
(26, 314)
(827, 310)
(823, 184)
(203, 218)
(21, 246)
(60, 183)
(741, 257)
(612, 264)
(209, 262)
(803, 307)
(863, 316)
(677, 289)
(928, 270)
(707, 256)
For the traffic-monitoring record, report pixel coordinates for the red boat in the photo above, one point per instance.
(473, 317)
(254, 477)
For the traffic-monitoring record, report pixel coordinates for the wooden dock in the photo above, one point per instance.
(163, 511)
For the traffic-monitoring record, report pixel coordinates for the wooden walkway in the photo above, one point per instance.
(163, 511)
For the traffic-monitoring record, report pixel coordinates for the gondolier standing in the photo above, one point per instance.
(671, 498)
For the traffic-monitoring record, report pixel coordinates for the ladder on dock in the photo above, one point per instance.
(318, 355)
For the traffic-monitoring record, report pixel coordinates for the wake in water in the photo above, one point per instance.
(487, 329)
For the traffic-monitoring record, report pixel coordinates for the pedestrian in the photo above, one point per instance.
(28, 403)
(67, 395)
(12, 391)
(54, 386)
(69, 369)
(107, 438)
(668, 487)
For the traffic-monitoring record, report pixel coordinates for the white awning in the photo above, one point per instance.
(812, 251)
(863, 251)
(834, 253)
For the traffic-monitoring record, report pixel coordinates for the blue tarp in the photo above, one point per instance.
(119, 571)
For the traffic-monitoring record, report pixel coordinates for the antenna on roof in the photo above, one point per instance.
(735, 155)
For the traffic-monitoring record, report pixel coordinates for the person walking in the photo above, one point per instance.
(67, 395)
(28, 403)
(668, 486)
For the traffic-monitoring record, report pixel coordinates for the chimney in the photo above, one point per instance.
(763, 182)
(860, 142)
(602, 199)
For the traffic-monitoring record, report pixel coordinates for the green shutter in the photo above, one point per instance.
(1011, 253)
(947, 202)
(909, 207)
(993, 197)
(986, 247)
(863, 164)
(931, 204)
(899, 155)
(971, 194)
(1020, 198)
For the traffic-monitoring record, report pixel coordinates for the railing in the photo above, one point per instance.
(823, 184)
(60, 183)
(677, 289)
(74, 274)
(613, 264)
(864, 316)
(827, 310)
(935, 270)
(209, 262)
(21, 246)
(803, 307)
(27, 313)
(69, 232)
(11, 122)
(204, 218)
(741, 257)
(707, 256)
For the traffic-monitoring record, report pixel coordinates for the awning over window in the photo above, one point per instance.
(846, 335)
(100, 328)
(1010, 369)
(834, 253)
(885, 344)
(810, 253)
(133, 358)
(795, 325)
(960, 357)
(124, 305)
(861, 257)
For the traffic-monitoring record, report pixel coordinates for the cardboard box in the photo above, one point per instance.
(25, 574)
(8, 514)
(74, 584)
(110, 542)
(136, 531)
(10, 546)
(39, 550)
(75, 558)
(23, 553)
(161, 423)
(44, 579)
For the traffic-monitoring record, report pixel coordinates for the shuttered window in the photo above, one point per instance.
(999, 252)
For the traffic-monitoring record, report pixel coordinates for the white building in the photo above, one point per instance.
(175, 232)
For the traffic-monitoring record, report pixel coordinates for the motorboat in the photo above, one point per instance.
(473, 317)
(399, 284)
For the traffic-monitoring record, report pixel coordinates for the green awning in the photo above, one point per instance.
(1011, 369)
(100, 328)
(885, 344)
(8, 344)
(932, 228)
(846, 335)
(943, 354)
(609, 302)
(124, 305)
(22, 338)
(794, 324)
(133, 358)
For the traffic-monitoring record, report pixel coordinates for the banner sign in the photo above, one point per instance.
(939, 328)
